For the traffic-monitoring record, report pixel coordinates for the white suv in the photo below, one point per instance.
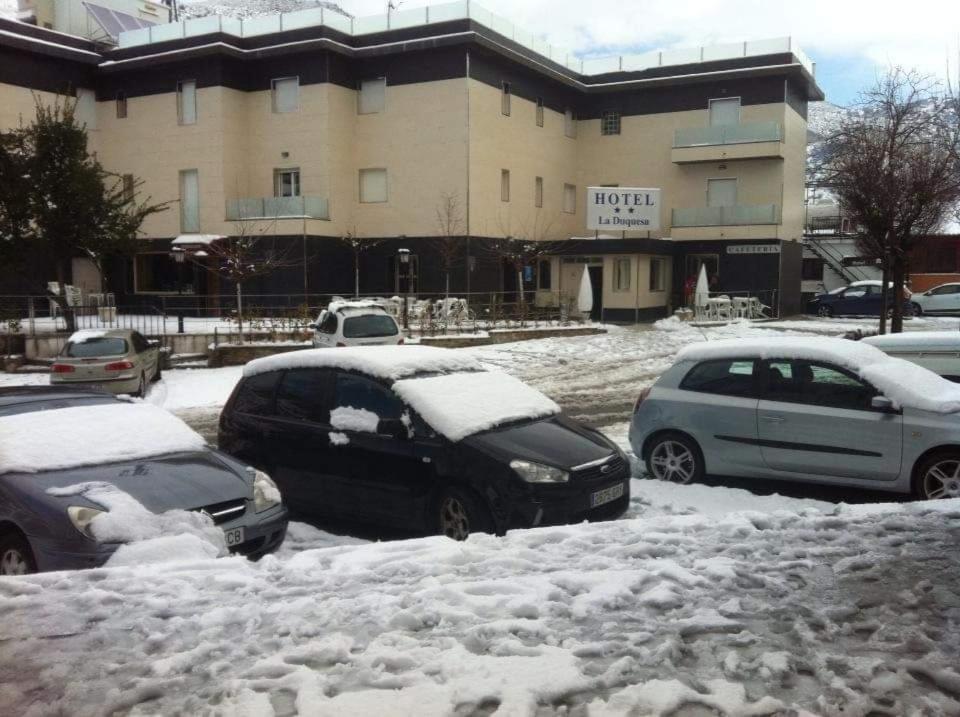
(355, 323)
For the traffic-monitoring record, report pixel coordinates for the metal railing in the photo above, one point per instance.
(744, 133)
(734, 215)
(277, 208)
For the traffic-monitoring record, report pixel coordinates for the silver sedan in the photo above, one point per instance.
(116, 360)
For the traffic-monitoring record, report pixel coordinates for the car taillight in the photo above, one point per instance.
(643, 394)
(118, 366)
(62, 368)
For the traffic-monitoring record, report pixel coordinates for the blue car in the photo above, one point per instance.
(861, 298)
(46, 525)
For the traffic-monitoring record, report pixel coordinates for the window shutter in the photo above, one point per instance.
(189, 201)
(187, 101)
(286, 95)
(372, 97)
(724, 112)
(569, 198)
(86, 111)
(373, 185)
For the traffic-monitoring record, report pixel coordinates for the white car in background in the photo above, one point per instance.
(943, 299)
(938, 351)
(355, 323)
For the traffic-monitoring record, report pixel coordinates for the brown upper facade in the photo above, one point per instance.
(324, 129)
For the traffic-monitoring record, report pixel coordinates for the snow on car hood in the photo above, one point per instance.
(90, 435)
(460, 404)
(906, 384)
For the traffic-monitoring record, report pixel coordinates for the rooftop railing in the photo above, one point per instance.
(277, 208)
(734, 215)
(457, 10)
(728, 134)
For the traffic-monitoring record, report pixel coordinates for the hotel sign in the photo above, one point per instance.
(623, 208)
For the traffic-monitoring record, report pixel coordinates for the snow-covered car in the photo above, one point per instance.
(421, 439)
(355, 323)
(861, 298)
(938, 351)
(115, 360)
(809, 409)
(943, 299)
(82, 475)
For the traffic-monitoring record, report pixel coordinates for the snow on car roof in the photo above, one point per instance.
(917, 339)
(385, 362)
(78, 337)
(459, 405)
(904, 383)
(347, 305)
(91, 435)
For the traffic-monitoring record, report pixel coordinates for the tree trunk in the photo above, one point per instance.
(884, 298)
(356, 274)
(69, 316)
(240, 311)
(899, 277)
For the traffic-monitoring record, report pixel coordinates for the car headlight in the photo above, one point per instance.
(81, 516)
(265, 492)
(538, 473)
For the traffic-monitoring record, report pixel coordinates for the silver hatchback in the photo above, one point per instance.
(115, 360)
(801, 409)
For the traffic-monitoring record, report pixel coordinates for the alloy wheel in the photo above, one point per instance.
(13, 562)
(672, 461)
(942, 480)
(825, 312)
(454, 521)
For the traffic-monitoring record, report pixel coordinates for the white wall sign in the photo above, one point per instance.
(623, 208)
(753, 249)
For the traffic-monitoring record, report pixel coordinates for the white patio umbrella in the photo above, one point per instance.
(585, 297)
(702, 292)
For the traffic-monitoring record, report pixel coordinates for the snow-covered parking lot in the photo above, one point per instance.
(703, 599)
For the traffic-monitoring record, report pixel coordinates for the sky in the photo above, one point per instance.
(852, 41)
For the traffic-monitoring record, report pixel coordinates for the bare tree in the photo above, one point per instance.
(523, 248)
(895, 165)
(448, 244)
(357, 246)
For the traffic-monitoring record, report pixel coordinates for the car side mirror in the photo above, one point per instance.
(882, 403)
(395, 428)
(312, 326)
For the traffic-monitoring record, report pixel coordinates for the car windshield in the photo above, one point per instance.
(90, 348)
(369, 326)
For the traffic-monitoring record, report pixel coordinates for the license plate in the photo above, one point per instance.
(607, 495)
(234, 537)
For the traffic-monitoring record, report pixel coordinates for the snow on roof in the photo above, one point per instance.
(919, 340)
(91, 435)
(459, 405)
(195, 239)
(904, 383)
(385, 362)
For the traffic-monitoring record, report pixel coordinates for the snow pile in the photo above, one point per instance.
(386, 362)
(338, 439)
(906, 384)
(252, 8)
(346, 418)
(461, 404)
(91, 435)
(174, 535)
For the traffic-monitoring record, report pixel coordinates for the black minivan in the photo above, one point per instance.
(420, 439)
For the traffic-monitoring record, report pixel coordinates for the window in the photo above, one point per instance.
(544, 280)
(504, 185)
(539, 112)
(329, 324)
(304, 395)
(158, 273)
(129, 188)
(505, 99)
(358, 392)
(657, 274)
(721, 192)
(187, 102)
(373, 185)
(370, 326)
(538, 192)
(816, 384)
(946, 289)
(140, 344)
(372, 97)
(610, 123)
(570, 198)
(811, 270)
(94, 347)
(725, 112)
(256, 394)
(286, 94)
(286, 182)
(121, 105)
(86, 109)
(726, 377)
(570, 123)
(189, 201)
(621, 274)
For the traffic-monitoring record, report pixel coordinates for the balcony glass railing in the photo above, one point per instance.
(277, 208)
(728, 134)
(735, 215)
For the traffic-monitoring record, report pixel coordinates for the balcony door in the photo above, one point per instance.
(724, 112)
(721, 192)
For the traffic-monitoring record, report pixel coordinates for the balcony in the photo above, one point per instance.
(749, 140)
(733, 216)
(277, 208)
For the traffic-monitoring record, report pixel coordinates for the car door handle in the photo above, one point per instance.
(773, 419)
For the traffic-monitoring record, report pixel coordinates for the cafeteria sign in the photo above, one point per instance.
(623, 208)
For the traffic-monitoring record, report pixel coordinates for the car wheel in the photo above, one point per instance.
(938, 477)
(675, 458)
(460, 513)
(16, 558)
(916, 309)
(825, 312)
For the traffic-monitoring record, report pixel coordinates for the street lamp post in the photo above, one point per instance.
(403, 259)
